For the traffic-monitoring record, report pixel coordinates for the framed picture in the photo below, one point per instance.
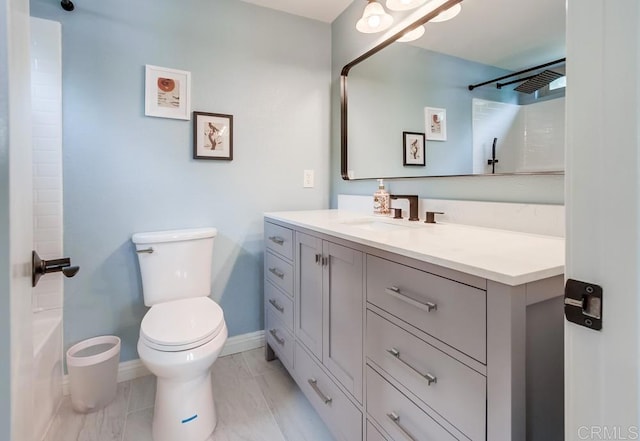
(436, 123)
(212, 136)
(413, 148)
(167, 93)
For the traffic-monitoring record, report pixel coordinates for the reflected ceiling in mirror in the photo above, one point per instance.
(488, 130)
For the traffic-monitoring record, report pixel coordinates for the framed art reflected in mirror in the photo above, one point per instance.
(413, 148)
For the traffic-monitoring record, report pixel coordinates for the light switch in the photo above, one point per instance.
(307, 181)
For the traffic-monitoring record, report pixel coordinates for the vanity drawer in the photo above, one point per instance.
(340, 415)
(373, 434)
(450, 311)
(279, 304)
(279, 239)
(279, 272)
(398, 415)
(457, 392)
(280, 339)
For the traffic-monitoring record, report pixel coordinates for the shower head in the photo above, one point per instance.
(538, 81)
(67, 5)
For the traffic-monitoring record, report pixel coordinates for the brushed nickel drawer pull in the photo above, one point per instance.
(277, 240)
(318, 258)
(431, 379)
(275, 304)
(276, 272)
(314, 384)
(395, 292)
(146, 251)
(395, 418)
(275, 335)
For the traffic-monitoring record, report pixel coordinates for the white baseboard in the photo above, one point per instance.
(243, 342)
(132, 369)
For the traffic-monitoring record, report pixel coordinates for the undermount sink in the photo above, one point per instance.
(377, 225)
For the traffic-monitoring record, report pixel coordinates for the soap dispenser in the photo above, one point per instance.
(381, 200)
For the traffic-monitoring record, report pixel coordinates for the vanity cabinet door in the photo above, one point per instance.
(343, 308)
(308, 292)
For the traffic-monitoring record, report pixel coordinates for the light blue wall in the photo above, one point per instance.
(5, 300)
(126, 173)
(347, 44)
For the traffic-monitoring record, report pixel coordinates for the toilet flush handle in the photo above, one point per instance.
(146, 250)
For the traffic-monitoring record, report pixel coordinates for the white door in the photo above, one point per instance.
(16, 115)
(603, 202)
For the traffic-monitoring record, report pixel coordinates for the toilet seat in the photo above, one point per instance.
(182, 324)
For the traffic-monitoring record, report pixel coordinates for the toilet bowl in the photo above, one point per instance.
(183, 333)
(179, 342)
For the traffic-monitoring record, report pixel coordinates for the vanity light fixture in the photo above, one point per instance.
(374, 19)
(448, 14)
(404, 5)
(412, 35)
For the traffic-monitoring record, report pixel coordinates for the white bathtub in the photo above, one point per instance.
(47, 368)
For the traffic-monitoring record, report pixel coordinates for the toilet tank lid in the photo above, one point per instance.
(174, 235)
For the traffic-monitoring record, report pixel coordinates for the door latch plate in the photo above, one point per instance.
(583, 304)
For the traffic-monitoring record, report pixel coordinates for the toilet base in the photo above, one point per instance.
(184, 410)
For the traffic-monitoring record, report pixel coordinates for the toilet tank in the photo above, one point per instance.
(175, 264)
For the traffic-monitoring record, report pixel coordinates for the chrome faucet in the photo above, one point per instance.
(413, 204)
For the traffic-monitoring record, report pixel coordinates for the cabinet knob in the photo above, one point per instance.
(431, 379)
(279, 340)
(395, 418)
(276, 272)
(314, 385)
(277, 240)
(276, 305)
(394, 291)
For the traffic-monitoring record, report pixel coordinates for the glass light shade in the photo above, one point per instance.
(413, 35)
(374, 19)
(404, 5)
(448, 14)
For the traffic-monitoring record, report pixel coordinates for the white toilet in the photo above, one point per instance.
(183, 332)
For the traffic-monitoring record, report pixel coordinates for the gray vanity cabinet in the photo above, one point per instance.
(391, 348)
(324, 353)
(328, 314)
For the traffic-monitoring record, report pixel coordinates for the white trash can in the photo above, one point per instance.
(93, 372)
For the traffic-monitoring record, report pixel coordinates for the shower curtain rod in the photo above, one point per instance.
(561, 60)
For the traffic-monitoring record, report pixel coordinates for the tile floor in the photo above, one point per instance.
(255, 400)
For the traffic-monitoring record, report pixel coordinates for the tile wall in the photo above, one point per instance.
(46, 97)
(530, 137)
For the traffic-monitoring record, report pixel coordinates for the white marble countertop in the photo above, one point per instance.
(503, 256)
